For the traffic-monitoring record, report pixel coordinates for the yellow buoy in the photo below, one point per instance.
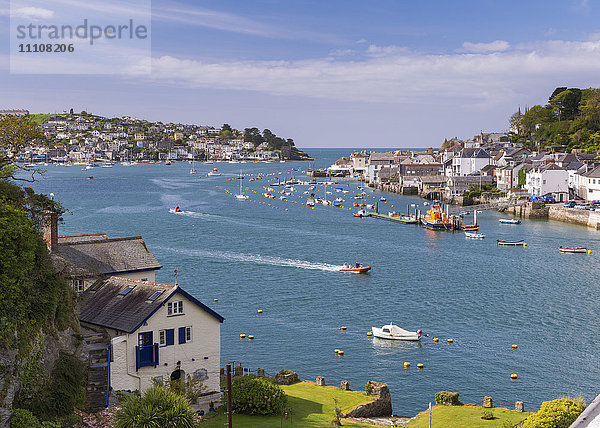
(436, 340)
(250, 337)
(215, 300)
(369, 333)
(343, 327)
(420, 366)
(336, 350)
(406, 364)
(340, 352)
(513, 376)
(589, 251)
(450, 340)
(524, 244)
(242, 336)
(259, 311)
(514, 346)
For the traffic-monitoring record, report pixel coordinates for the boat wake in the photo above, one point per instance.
(257, 259)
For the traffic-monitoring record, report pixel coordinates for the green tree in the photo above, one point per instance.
(16, 132)
(157, 407)
(257, 396)
(565, 104)
(560, 413)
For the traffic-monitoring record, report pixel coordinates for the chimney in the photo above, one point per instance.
(50, 229)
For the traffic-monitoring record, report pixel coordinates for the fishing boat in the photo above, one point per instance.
(214, 173)
(355, 269)
(575, 250)
(505, 243)
(436, 219)
(509, 221)
(361, 214)
(474, 235)
(393, 332)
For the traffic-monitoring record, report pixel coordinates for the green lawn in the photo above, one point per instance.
(467, 416)
(312, 406)
(40, 118)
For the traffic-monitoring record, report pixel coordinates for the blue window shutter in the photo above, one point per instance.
(181, 335)
(170, 336)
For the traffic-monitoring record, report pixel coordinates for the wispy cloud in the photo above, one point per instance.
(32, 13)
(495, 46)
(397, 75)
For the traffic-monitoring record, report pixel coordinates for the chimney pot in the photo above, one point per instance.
(50, 229)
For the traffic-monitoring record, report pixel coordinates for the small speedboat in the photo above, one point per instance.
(310, 203)
(361, 214)
(474, 235)
(382, 199)
(214, 173)
(355, 269)
(509, 221)
(505, 243)
(575, 250)
(393, 332)
(175, 210)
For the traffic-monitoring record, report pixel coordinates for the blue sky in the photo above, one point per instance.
(337, 73)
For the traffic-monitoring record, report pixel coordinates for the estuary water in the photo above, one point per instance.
(284, 259)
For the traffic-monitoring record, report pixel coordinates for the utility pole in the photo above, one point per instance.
(229, 418)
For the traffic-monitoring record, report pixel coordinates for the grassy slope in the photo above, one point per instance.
(312, 406)
(465, 417)
(40, 118)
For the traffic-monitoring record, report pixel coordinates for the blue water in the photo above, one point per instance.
(251, 256)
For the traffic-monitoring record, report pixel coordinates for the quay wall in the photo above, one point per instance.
(557, 212)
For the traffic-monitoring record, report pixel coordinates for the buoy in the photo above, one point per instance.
(242, 336)
(450, 340)
(369, 333)
(514, 346)
(589, 251)
(336, 350)
(420, 366)
(215, 300)
(340, 352)
(250, 337)
(343, 327)
(406, 364)
(259, 311)
(524, 244)
(513, 376)
(436, 340)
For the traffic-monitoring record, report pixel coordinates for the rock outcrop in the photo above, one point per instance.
(381, 406)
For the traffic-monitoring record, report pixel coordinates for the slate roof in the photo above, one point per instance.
(593, 173)
(99, 256)
(474, 153)
(70, 239)
(103, 306)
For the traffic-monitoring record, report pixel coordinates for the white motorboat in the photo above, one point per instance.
(393, 332)
(175, 210)
(509, 221)
(214, 173)
(310, 203)
(474, 235)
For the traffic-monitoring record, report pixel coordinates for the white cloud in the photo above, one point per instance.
(399, 76)
(495, 46)
(32, 13)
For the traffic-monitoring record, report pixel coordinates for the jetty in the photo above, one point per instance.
(397, 219)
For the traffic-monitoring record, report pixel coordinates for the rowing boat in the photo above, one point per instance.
(505, 243)
(573, 250)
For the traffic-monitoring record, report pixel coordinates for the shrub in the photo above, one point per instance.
(256, 396)
(157, 407)
(190, 388)
(488, 415)
(337, 414)
(559, 413)
(23, 418)
(447, 398)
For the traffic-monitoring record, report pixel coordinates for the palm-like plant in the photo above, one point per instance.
(156, 408)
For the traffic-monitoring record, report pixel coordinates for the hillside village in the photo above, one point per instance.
(83, 137)
(489, 166)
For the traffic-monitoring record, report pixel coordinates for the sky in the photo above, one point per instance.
(336, 73)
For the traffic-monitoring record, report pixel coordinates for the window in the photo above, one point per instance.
(175, 308)
(78, 285)
(185, 334)
(144, 279)
(166, 337)
(126, 290)
(155, 296)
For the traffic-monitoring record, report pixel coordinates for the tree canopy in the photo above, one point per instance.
(570, 118)
(16, 132)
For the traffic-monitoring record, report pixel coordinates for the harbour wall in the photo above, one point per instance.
(533, 210)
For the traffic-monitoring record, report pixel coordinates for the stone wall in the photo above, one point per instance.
(381, 406)
(557, 212)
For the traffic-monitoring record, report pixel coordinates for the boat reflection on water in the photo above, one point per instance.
(394, 345)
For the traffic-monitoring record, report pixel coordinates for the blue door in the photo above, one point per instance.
(145, 349)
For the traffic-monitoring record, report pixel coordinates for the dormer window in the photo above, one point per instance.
(175, 308)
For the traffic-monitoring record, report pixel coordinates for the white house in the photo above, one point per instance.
(549, 179)
(469, 161)
(589, 183)
(157, 332)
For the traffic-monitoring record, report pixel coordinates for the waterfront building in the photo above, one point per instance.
(589, 183)
(549, 179)
(157, 332)
(469, 161)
